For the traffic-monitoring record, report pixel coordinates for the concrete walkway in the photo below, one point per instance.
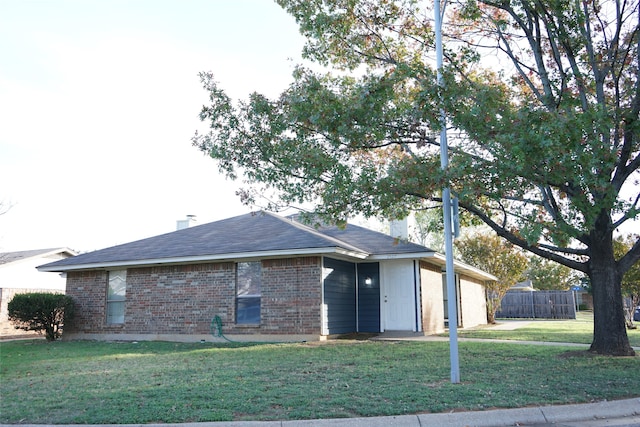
(503, 325)
(405, 337)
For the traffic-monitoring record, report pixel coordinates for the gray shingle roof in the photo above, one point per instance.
(372, 242)
(253, 234)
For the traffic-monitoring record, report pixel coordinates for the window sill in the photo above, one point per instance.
(247, 325)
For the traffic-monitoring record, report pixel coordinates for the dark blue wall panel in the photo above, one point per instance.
(340, 296)
(369, 297)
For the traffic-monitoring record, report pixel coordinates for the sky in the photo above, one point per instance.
(98, 104)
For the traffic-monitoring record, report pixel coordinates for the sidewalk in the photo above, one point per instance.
(619, 413)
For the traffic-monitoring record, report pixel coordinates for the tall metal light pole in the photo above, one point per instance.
(452, 306)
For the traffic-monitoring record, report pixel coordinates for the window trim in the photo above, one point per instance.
(247, 297)
(113, 302)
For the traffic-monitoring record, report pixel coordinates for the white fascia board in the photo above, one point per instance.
(60, 251)
(463, 267)
(408, 255)
(206, 258)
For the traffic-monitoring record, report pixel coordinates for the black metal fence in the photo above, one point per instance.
(538, 305)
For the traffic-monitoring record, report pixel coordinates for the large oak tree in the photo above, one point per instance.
(542, 99)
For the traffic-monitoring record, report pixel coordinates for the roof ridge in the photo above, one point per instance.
(316, 232)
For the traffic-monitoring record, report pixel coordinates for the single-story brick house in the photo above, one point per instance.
(266, 277)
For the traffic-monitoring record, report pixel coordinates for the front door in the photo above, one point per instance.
(398, 295)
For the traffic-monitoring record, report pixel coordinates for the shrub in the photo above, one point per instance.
(41, 311)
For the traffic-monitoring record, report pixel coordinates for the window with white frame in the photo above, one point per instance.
(248, 292)
(116, 296)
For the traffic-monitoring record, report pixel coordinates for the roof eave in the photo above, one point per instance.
(439, 259)
(205, 258)
(460, 266)
(407, 255)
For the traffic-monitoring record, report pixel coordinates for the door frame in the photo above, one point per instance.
(407, 301)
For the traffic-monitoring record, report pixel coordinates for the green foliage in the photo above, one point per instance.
(295, 146)
(549, 275)
(536, 153)
(41, 311)
(498, 257)
(429, 227)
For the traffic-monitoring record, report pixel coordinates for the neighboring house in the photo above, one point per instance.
(526, 286)
(18, 274)
(264, 277)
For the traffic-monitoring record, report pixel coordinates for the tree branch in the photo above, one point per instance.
(536, 249)
(629, 259)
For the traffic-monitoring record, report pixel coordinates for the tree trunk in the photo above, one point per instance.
(609, 328)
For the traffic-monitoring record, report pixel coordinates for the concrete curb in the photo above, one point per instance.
(627, 411)
(540, 415)
(606, 409)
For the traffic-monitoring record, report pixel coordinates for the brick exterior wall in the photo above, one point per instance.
(89, 291)
(184, 299)
(291, 296)
(180, 299)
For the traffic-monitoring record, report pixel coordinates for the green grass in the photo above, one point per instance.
(85, 382)
(579, 330)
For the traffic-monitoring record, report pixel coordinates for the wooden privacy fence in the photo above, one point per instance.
(538, 305)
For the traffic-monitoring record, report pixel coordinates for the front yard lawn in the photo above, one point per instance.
(85, 382)
(579, 330)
